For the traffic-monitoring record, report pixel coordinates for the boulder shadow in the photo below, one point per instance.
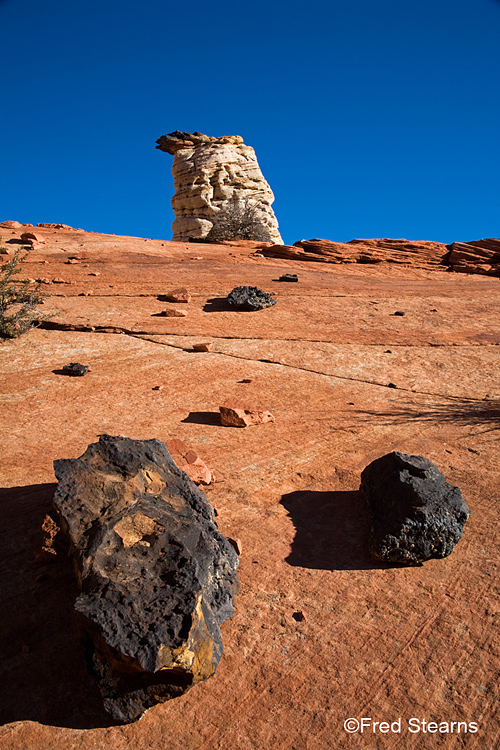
(67, 374)
(203, 417)
(217, 304)
(332, 531)
(41, 647)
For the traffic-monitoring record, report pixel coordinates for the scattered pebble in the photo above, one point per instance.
(158, 387)
(391, 385)
(171, 312)
(289, 277)
(399, 312)
(236, 414)
(178, 295)
(202, 347)
(189, 461)
(299, 616)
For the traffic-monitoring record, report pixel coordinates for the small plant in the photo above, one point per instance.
(239, 221)
(18, 300)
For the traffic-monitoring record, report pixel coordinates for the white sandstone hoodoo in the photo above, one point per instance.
(212, 174)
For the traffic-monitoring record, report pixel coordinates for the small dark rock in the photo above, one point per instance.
(289, 277)
(299, 616)
(391, 385)
(416, 515)
(250, 298)
(399, 312)
(75, 369)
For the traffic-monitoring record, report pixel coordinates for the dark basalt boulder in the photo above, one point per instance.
(157, 578)
(250, 298)
(416, 515)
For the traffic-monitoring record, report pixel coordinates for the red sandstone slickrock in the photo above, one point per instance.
(320, 360)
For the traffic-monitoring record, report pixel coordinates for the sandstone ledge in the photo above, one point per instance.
(476, 257)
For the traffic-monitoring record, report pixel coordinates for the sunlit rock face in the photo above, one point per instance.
(210, 174)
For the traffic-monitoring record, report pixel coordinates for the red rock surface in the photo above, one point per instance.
(377, 642)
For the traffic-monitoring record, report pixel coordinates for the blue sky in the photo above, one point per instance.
(370, 118)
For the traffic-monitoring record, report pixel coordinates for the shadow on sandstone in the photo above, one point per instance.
(465, 412)
(42, 655)
(203, 417)
(331, 530)
(217, 304)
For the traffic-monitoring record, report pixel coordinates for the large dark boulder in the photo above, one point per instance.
(157, 578)
(250, 298)
(415, 513)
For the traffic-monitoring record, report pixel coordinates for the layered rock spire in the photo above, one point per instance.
(211, 174)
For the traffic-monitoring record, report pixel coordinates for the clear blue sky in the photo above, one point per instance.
(370, 118)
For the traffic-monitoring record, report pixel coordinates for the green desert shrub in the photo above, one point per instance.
(239, 221)
(19, 299)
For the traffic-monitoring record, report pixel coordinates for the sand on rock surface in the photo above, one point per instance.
(321, 632)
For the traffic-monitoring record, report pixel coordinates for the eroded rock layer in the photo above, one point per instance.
(210, 173)
(476, 256)
(157, 578)
(419, 254)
